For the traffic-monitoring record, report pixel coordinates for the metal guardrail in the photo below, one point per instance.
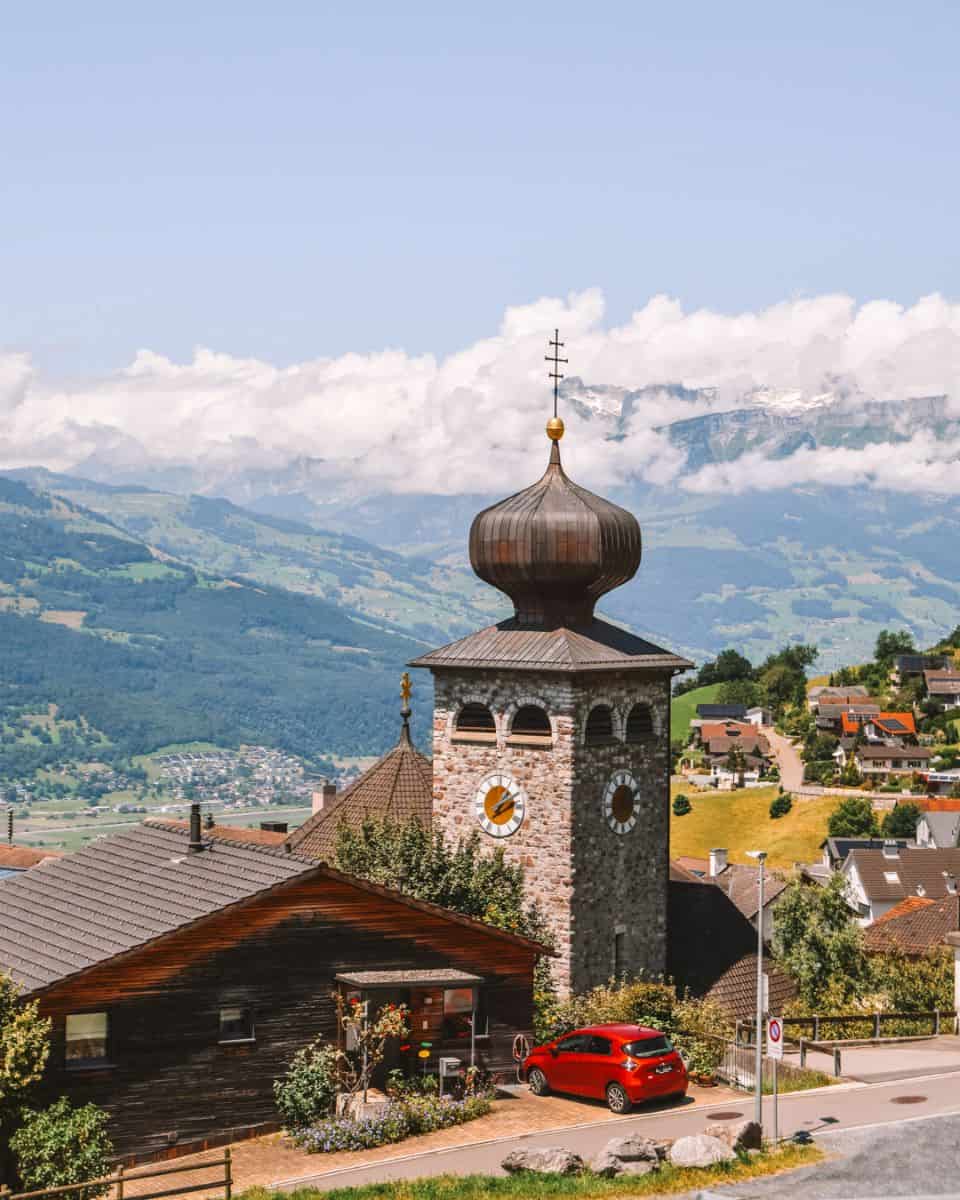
(938, 1020)
(121, 1178)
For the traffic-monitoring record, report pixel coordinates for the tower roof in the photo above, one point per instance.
(399, 786)
(555, 548)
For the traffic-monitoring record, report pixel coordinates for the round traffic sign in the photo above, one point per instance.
(775, 1031)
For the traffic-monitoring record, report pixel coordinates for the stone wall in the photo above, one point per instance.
(590, 881)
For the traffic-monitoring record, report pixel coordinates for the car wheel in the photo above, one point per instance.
(617, 1099)
(538, 1082)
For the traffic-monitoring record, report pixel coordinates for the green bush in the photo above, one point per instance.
(306, 1093)
(681, 806)
(853, 817)
(395, 1121)
(781, 805)
(60, 1145)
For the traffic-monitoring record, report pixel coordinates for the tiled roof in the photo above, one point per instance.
(232, 833)
(915, 925)
(693, 865)
(736, 989)
(910, 867)
(681, 874)
(596, 647)
(121, 892)
(942, 683)
(899, 724)
(125, 891)
(892, 752)
(927, 804)
(431, 977)
(751, 746)
(712, 729)
(835, 711)
(741, 884)
(22, 858)
(398, 787)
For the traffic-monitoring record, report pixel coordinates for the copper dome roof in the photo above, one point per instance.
(555, 549)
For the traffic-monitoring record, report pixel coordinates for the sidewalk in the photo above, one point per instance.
(262, 1162)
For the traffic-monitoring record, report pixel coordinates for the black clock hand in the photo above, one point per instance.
(503, 804)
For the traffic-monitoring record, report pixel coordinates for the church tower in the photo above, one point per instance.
(551, 731)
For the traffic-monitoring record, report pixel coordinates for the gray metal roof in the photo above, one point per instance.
(596, 647)
(432, 977)
(121, 892)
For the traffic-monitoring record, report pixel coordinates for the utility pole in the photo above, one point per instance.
(760, 856)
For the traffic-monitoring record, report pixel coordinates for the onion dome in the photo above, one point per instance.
(555, 548)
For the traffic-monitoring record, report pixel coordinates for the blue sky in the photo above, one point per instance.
(297, 179)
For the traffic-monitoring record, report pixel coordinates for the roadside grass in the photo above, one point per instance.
(683, 709)
(741, 821)
(528, 1186)
(799, 1079)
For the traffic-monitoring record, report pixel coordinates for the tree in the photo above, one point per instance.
(901, 820)
(24, 1048)
(740, 691)
(781, 805)
(681, 805)
(890, 644)
(736, 763)
(728, 665)
(816, 940)
(853, 817)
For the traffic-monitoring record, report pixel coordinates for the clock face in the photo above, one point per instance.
(500, 805)
(621, 802)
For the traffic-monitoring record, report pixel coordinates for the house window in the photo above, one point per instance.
(458, 1012)
(236, 1025)
(88, 1038)
(619, 952)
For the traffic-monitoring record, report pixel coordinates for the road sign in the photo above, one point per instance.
(775, 1038)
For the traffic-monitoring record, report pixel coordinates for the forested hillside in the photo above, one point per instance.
(148, 650)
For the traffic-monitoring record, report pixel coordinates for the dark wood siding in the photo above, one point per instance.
(170, 1081)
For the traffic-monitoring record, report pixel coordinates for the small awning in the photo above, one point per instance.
(438, 977)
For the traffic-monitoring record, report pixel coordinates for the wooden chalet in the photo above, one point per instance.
(182, 970)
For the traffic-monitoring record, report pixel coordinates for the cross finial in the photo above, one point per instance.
(555, 360)
(406, 688)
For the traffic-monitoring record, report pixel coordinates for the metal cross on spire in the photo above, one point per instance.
(555, 360)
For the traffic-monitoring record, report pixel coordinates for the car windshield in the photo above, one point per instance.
(648, 1047)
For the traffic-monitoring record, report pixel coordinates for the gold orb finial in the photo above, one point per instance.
(555, 429)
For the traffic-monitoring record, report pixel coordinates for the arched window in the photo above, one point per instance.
(476, 721)
(531, 723)
(599, 726)
(639, 723)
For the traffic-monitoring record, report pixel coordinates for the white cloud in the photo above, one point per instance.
(474, 420)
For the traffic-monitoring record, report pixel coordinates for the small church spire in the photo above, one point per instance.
(555, 424)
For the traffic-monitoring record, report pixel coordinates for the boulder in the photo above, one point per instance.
(739, 1135)
(609, 1165)
(701, 1150)
(545, 1160)
(634, 1148)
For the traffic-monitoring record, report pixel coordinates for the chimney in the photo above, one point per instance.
(322, 798)
(950, 882)
(718, 862)
(196, 839)
(890, 849)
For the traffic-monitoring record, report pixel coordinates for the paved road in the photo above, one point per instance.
(840, 1107)
(788, 759)
(881, 1064)
(919, 1159)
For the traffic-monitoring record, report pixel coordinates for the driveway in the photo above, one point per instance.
(788, 759)
(882, 1064)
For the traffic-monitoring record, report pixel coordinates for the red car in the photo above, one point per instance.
(622, 1064)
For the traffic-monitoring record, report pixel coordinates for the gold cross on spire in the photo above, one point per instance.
(406, 688)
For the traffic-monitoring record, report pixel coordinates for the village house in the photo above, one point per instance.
(879, 879)
(739, 882)
(830, 714)
(943, 686)
(182, 968)
(939, 825)
(890, 728)
(913, 666)
(916, 925)
(882, 763)
(851, 694)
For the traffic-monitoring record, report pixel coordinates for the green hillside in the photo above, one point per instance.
(435, 602)
(683, 709)
(138, 650)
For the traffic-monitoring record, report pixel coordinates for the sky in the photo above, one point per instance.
(234, 234)
(291, 180)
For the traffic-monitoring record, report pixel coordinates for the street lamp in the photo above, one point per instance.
(761, 857)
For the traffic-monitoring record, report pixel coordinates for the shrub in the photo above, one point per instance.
(781, 805)
(306, 1093)
(901, 820)
(853, 817)
(636, 1003)
(60, 1145)
(681, 806)
(398, 1120)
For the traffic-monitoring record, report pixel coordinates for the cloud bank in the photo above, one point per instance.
(473, 421)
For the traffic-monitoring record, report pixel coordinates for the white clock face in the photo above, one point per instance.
(621, 802)
(500, 805)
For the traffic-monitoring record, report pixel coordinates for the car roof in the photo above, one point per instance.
(621, 1030)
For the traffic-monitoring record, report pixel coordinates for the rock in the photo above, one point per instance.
(607, 1164)
(701, 1150)
(739, 1135)
(545, 1160)
(634, 1148)
(639, 1168)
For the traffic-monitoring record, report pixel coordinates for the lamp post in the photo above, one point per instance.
(761, 857)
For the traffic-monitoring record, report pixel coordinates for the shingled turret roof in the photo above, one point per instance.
(398, 787)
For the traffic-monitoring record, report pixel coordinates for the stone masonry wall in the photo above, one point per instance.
(589, 881)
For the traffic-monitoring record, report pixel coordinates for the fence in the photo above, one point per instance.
(118, 1181)
(738, 1067)
(825, 1027)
